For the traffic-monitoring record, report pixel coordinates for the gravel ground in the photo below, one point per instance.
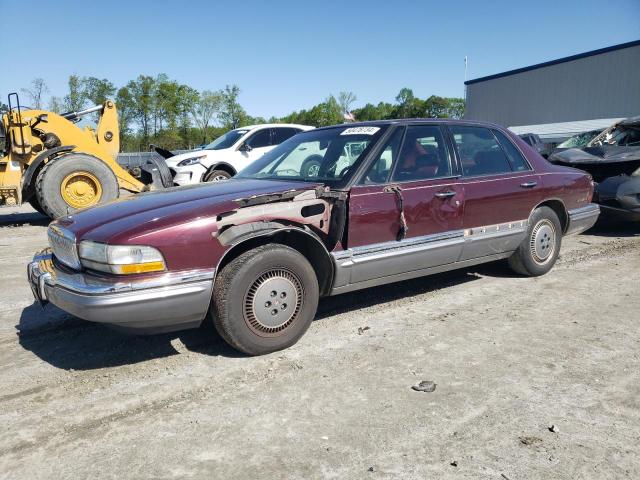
(535, 378)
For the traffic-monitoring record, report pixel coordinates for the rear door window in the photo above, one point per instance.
(261, 138)
(280, 134)
(479, 151)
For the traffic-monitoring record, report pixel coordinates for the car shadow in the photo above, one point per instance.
(362, 299)
(69, 343)
(19, 219)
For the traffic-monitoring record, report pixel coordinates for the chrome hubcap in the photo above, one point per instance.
(272, 302)
(313, 171)
(219, 178)
(543, 241)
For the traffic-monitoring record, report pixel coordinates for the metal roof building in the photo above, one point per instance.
(562, 97)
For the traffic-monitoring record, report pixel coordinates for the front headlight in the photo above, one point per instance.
(120, 259)
(191, 161)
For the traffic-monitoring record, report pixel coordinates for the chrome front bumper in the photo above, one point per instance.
(581, 219)
(172, 301)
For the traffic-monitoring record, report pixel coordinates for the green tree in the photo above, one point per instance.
(36, 93)
(126, 115)
(455, 107)
(231, 114)
(204, 109)
(97, 90)
(436, 107)
(345, 100)
(74, 100)
(56, 104)
(142, 91)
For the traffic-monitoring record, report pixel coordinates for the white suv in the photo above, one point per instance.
(230, 153)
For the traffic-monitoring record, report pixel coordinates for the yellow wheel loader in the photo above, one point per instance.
(57, 167)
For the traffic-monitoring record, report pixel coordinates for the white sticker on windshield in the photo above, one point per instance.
(360, 131)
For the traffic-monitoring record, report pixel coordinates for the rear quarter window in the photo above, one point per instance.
(517, 160)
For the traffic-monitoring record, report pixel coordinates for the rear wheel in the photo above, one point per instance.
(539, 251)
(216, 176)
(72, 182)
(311, 166)
(265, 299)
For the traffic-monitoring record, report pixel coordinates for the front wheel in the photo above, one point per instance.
(216, 176)
(539, 251)
(265, 299)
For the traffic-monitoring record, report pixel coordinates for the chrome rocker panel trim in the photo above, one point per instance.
(172, 301)
(583, 218)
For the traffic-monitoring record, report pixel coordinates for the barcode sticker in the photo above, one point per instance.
(360, 131)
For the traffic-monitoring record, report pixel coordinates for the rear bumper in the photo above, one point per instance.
(173, 301)
(581, 219)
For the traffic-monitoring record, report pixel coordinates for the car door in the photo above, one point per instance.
(405, 215)
(501, 190)
(255, 145)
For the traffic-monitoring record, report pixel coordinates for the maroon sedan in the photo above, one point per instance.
(329, 211)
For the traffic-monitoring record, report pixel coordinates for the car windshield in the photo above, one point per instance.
(579, 140)
(316, 156)
(227, 140)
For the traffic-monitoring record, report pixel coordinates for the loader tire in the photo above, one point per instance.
(73, 182)
(33, 201)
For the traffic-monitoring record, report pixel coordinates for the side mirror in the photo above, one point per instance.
(245, 147)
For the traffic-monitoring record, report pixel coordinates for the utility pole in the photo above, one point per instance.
(466, 64)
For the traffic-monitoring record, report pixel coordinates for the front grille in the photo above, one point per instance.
(63, 246)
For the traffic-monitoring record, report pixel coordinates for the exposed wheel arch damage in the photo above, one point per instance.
(297, 237)
(305, 221)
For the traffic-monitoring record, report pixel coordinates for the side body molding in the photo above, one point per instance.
(388, 262)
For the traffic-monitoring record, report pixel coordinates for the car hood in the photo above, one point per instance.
(210, 154)
(139, 215)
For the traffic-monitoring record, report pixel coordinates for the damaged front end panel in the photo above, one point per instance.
(321, 212)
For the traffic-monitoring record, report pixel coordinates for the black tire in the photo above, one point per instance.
(311, 166)
(245, 311)
(539, 251)
(216, 176)
(33, 201)
(52, 175)
(161, 166)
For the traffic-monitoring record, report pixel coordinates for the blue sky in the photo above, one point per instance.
(288, 55)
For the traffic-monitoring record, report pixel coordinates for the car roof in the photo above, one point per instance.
(274, 125)
(408, 121)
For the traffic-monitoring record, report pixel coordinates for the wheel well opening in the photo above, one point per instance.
(558, 207)
(225, 167)
(302, 242)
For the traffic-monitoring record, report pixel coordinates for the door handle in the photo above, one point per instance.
(448, 194)
(528, 184)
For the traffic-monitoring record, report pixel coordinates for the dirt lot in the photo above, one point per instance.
(510, 356)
